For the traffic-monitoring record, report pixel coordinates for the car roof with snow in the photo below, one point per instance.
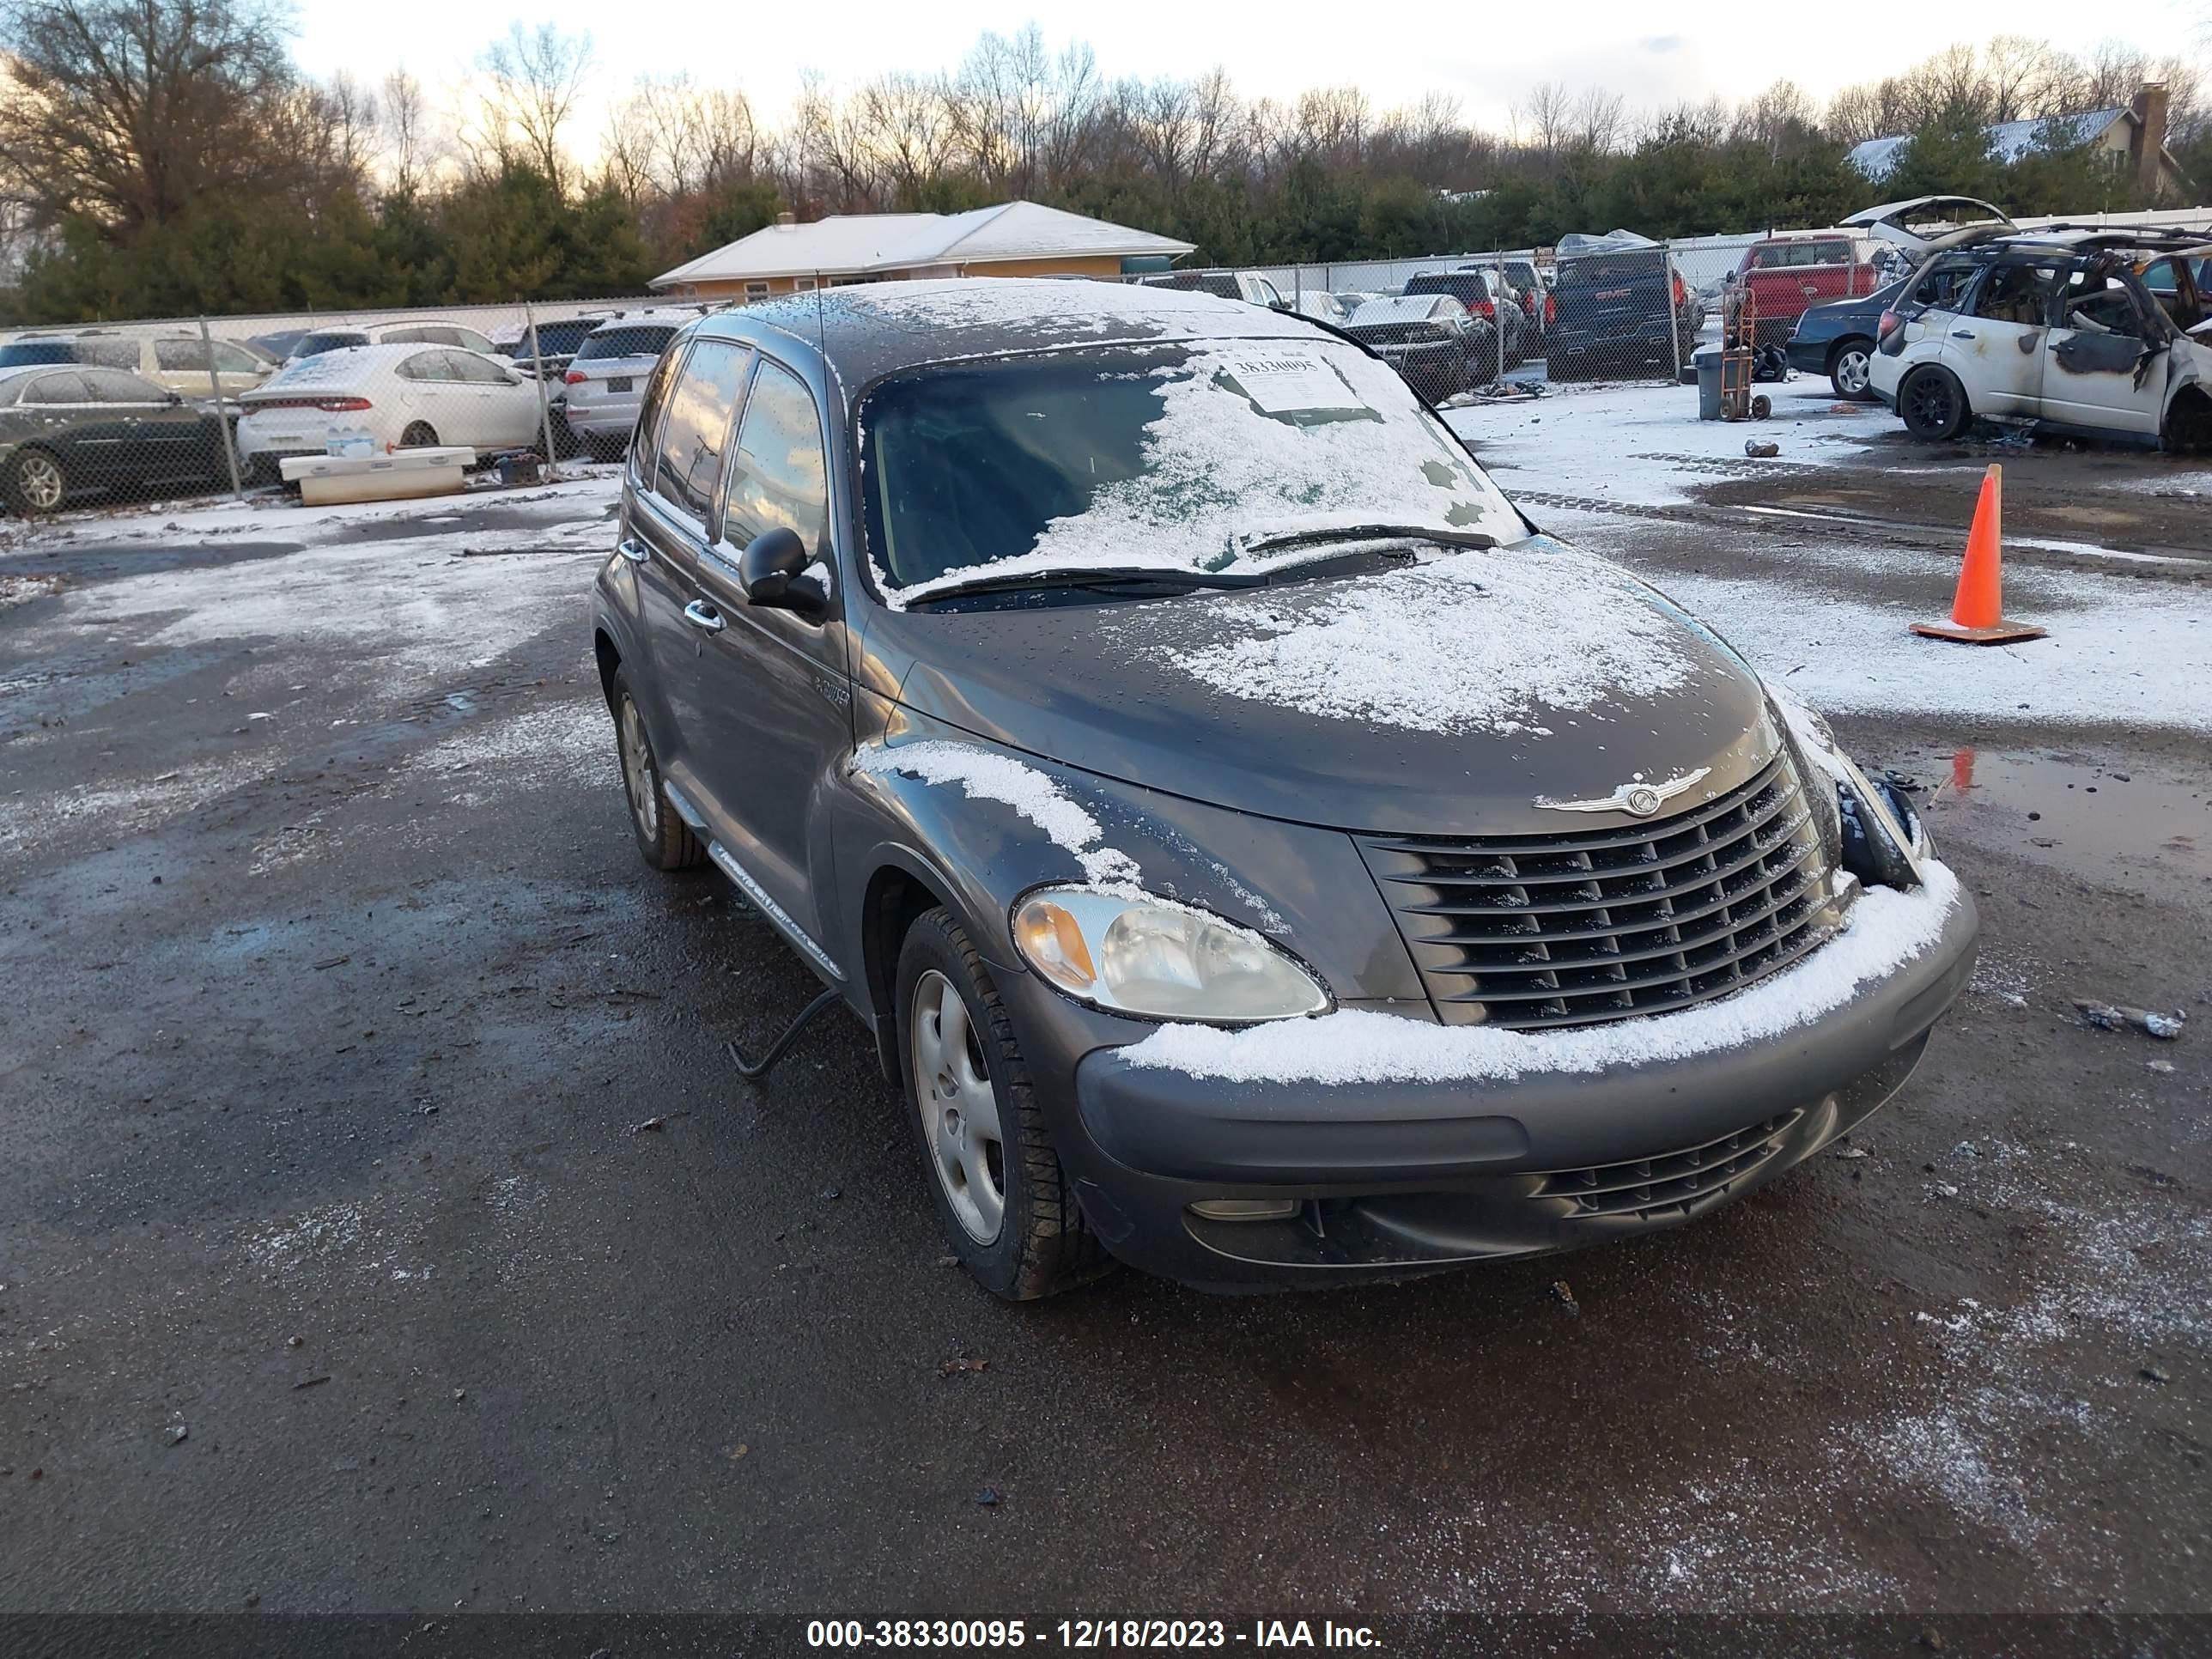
(876, 329)
(659, 317)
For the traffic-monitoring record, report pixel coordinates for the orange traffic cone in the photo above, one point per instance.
(1978, 609)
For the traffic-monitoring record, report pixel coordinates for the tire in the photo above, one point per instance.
(1007, 1208)
(664, 840)
(37, 483)
(1934, 405)
(1849, 366)
(419, 435)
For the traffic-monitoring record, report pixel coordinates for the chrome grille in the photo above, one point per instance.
(1530, 932)
(1650, 1186)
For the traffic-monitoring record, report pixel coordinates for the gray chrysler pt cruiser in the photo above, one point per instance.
(1262, 857)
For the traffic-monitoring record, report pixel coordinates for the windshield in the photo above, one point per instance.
(1170, 458)
(1592, 268)
(639, 342)
(314, 345)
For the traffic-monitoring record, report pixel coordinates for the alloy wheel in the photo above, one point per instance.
(639, 777)
(1930, 402)
(1852, 372)
(959, 1108)
(39, 481)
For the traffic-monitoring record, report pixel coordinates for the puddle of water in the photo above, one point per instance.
(2092, 821)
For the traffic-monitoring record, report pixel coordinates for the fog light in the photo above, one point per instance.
(1245, 1209)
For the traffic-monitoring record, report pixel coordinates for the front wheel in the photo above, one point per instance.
(36, 483)
(1851, 370)
(1933, 403)
(1006, 1207)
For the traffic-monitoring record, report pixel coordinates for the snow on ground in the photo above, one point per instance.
(2127, 654)
(1642, 443)
(273, 516)
(420, 605)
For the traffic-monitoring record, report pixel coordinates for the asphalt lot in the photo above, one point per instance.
(337, 997)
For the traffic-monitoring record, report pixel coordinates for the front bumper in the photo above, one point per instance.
(1398, 1179)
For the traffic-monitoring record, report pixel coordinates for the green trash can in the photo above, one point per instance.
(1708, 383)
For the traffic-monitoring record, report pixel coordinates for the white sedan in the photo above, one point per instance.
(397, 396)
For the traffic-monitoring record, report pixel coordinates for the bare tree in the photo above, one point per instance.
(131, 112)
(408, 147)
(537, 77)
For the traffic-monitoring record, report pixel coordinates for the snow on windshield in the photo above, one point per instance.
(1470, 641)
(1253, 437)
(1884, 929)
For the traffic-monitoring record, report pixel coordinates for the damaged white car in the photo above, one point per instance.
(2099, 332)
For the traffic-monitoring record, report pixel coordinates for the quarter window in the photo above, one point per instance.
(700, 404)
(778, 477)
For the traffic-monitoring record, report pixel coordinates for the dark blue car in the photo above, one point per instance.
(1837, 339)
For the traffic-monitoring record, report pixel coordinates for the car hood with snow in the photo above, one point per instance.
(1449, 697)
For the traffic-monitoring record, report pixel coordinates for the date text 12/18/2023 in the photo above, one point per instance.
(1084, 1634)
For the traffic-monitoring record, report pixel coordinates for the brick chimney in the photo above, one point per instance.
(2147, 144)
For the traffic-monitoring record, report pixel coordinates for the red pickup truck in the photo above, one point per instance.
(1789, 274)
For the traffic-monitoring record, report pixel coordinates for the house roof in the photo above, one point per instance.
(1877, 158)
(860, 243)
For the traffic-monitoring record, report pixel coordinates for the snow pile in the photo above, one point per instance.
(1267, 437)
(1477, 641)
(983, 775)
(1886, 929)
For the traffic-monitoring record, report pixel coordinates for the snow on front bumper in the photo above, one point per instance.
(1363, 1104)
(1883, 931)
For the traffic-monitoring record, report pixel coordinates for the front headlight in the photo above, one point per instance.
(1882, 838)
(1158, 959)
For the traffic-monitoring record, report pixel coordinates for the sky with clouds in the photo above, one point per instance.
(1486, 57)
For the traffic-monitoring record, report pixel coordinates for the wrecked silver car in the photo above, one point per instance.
(2103, 333)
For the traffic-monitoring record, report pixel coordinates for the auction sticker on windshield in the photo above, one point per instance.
(1291, 383)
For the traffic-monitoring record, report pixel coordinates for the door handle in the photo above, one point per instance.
(633, 549)
(700, 614)
(1962, 334)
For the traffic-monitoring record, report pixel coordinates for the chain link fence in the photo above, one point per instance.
(122, 414)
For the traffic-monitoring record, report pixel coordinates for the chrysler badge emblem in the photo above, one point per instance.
(1636, 798)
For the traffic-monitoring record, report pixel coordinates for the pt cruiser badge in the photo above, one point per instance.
(1636, 798)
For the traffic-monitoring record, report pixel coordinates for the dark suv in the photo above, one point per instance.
(1260, 855)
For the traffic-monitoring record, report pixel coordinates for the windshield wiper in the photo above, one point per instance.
(1178, 579)
(1365, 532)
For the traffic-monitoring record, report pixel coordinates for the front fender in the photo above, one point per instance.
(1305, 888)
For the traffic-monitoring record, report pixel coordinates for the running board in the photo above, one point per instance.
(758, 896)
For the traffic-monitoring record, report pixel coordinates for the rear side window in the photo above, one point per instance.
(109, 354)
(642, 341)
(425, 366)
(57, 389)
(112, 386)
(701, 401)
(1944, 285)
(780, 477)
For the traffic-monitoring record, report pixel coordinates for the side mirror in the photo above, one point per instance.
(769, 570)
